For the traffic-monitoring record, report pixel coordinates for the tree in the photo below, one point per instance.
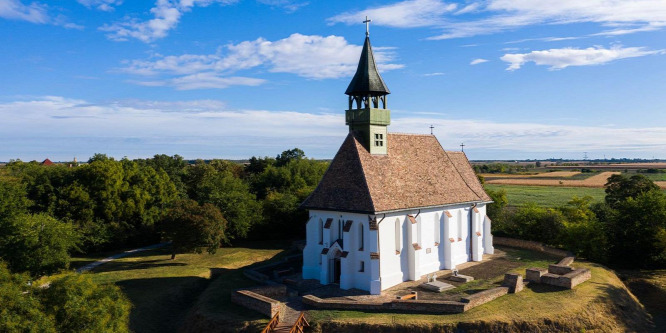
(13, 198)
(38, 244)
(80, 305)
(20, 307)
(500, 200)
(583, 233)
(620, 188)
(637, 231)
(232, 196)
(289, 155)
(191, 227)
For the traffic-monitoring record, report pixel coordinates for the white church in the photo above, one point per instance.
(391, 207)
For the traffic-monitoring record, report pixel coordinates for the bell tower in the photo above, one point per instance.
(367, 115)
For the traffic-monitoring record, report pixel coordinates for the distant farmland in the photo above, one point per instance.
(546, 196)
(548, 179)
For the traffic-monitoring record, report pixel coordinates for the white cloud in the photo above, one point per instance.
(434, 74)
(60, 128)
(477, 61)
(16, 10)
(492, 16)
(202, 81)
(405, 14)
(289, 6)
(34, 13)
(313, 57)
(166, 15)
(565, 57)
(103, 5)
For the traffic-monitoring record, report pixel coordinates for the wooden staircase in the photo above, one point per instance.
(287, 326)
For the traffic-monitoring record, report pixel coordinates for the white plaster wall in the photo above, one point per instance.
(404, 262)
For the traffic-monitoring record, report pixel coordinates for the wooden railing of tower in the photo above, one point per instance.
(300, 324)
(272, 324)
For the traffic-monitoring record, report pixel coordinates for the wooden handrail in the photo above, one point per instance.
(272, 324)
(300, 323)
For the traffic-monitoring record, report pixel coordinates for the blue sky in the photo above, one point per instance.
(512, 79)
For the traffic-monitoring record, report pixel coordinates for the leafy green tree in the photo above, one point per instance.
(38, 244)
(80, 305)
(636, 232)
(13, 198)
(257, 165)
(232, 196)
(583, 233)
(191, 227)
(288, 156)
(540, 224)
(20, 307)
(495, 210)
(174, 166)
(620, 188)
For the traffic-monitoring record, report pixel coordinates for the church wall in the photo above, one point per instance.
(399, 259)
(316, 265)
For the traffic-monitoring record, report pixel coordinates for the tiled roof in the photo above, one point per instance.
(416, 172)
(347, 226)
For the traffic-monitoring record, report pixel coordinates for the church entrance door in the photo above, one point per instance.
(336, 270)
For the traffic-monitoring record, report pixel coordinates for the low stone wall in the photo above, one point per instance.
(567, 261)
(485, 296)
(514, 282)
(256, 302)
(529, 245)
(271, 291)
(418, 306)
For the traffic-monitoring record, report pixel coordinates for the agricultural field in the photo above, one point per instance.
(546, 196)
(163, 291)
(542, 179)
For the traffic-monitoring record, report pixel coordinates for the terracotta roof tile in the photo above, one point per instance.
(344, 254)
(328, 223)
(416, 172)
(411, 219)
(347, 226)
(448, 214)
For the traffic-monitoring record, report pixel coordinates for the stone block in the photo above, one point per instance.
(567, 261)
(551, 279)
(559, 269)
(534, 274)
(576, 277)
(514, 282)
(461, 278)
(436, 286)
(253, 301)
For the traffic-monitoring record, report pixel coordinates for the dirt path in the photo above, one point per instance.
(118, 256)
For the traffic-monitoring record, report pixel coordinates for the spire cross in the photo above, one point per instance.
(367, 26)
(462, 146)
(431, 128)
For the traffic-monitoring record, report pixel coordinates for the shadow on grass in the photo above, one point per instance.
(653, 298)
(160, 304)
(544, 288)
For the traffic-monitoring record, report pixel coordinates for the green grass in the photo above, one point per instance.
(547, 196)
(536, 303)
(163, 291)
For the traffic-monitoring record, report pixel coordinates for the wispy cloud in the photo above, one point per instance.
(313, 57)
(404, 14)
(103, 5)
(478, 61)
(34, 13)
(166, 16)
(434, 74)
(289, 6)
(62, 128)
(565, 57)
(492, 16)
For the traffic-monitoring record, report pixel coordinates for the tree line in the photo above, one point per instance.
(627, 230)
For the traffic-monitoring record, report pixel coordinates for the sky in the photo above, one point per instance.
(511, 79)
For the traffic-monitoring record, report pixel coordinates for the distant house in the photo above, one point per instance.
(47, 162)
(391, 207)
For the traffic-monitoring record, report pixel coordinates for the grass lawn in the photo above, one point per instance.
(535, 303)
(163, 291)
(547, 196)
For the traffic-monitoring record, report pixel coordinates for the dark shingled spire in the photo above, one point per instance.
(367, 80)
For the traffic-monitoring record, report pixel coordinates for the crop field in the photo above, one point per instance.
(597, 180)
(554, 174)
(546, 196)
